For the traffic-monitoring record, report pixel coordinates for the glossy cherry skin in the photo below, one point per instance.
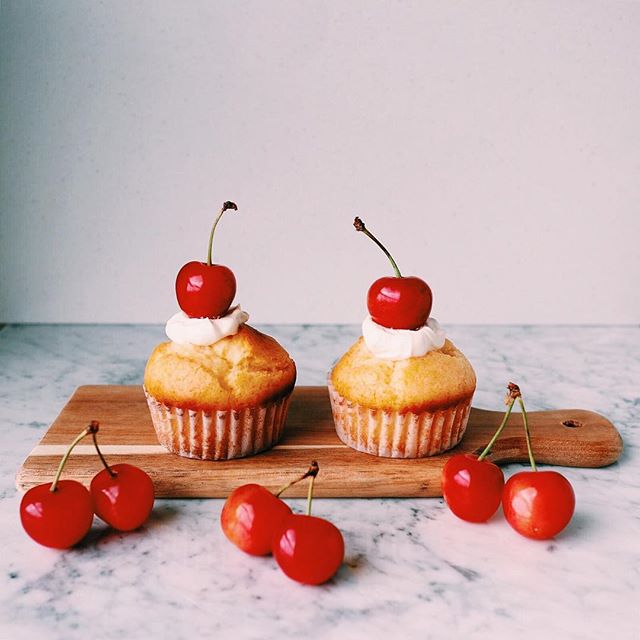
(538, 504)
(125, 501)
(205, 291)
(250, 517)
(308, 549)
(472, 488)
(57, 519)
(400, 303)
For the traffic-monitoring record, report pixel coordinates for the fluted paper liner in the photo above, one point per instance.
(218, 435)
(395, 434)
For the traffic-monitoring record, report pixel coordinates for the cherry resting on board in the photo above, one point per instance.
(204, 289)
(397, 302)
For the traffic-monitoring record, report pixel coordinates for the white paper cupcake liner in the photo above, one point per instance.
(218, 435)
(395, 434)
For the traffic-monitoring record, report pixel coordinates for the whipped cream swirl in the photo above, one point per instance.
(399, 344)
(182, 329)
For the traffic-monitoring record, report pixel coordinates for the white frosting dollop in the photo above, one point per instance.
(182, 329)
(399, 344)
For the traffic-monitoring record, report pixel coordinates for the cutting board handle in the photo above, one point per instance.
(567, 437)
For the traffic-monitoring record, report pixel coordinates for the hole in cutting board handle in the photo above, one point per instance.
(572, 424)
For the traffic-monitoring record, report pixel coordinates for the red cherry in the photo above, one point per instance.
(57, 519)
(471, 485)
(58, 514)
(122, 496)
(205, 291)
(400, 303)
(397, 302)
(250, 516)
(308, 549)
(538, 504)
(472, 488)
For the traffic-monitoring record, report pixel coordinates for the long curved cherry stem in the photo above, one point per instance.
(527, 433)
(54, 484)
(312, 471)
(359, 225)
(94, 429)
(499, 430)
(225, 206)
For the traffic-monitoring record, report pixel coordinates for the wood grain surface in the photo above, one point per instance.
(568, 437)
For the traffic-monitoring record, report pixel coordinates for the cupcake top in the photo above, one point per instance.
(242, 370)
(398, 344)
(440, 378)
(182, 329)
(403, 361)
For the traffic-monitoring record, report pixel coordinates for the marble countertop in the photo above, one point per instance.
(412, 569)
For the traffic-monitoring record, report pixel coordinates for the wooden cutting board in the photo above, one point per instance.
(570, 437)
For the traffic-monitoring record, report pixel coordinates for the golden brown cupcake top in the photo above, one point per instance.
(243, 370)
(440, 378)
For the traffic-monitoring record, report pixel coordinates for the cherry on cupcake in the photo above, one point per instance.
(122, 494)
(58, 514)
(537, 504)
(308, 549)
(397, 302)
(204, 289)
(251, 514)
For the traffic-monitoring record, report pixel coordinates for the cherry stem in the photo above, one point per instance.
(311, 471)
(527, 433)
(359, 225)
(85, 432)
(225, 206)
(94, 426)
(496, 435)
(310, 492)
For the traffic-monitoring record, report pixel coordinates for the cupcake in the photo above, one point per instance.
(218, 389)
(402, 390)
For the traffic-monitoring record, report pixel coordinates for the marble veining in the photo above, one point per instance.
(412, 569)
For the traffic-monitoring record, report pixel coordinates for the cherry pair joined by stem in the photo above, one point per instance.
(59, 514)
(537, 504)
(397, 302)
(204, 289)
(308, 549)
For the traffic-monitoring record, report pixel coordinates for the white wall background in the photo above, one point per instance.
(494, 146)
